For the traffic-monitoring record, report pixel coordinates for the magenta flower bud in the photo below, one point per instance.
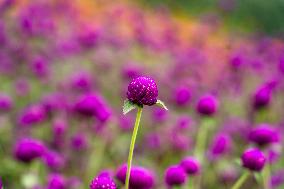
(184, 122)
(93, 105)
(40, 67)
(182, 96)
(262, 97)
(207, 105)
(236, 61)
(221, 144)
(253, 159)
(29, 149)
(103, 182)
(6, 103)
(142, 91)
(79, 142)
(56, 181)
(82, 81)
(159, 114)
(264, 135)
(190, 165)
(31, 115)
(140, 178)
(54, 160)
(175, 176)
(90, 37)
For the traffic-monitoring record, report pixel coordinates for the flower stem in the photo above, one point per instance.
(201, 140)
(266, 176)
(241, 180)
(132, 145)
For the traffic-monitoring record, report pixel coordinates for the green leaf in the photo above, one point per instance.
(161, 104)
(128, 106)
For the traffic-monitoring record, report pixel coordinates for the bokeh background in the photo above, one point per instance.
(55, 54)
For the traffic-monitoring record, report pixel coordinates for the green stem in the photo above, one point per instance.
(132, 145)
(201, 140)
(266, 176)
(241, 180)
(190, 183)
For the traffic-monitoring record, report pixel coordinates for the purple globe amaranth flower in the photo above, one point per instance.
(190, 165)
(1, 184)
(56, 181)
(175, 176)
(207, 105)
(236, 61)
(142, 91)
(54, 160)
(221, 144)
(264, 135)
(28, 149)
(277, 179)
(93, 105)
(253, 159)
(103, 182)
(183, 123)
(6, 103)
(31, 115)
(262, 97)
(82, 81)
(40, 67)
(140, 178)
(79, 142)
(182, 96)
(159, 114)
(90, 37)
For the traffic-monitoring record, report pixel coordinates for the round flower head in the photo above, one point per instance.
(221, 144)
(140, 178)
(142, 91)
(207, 105)
(190, 165)
(263, 135)
(5, 102)
(79, 141)
(262, 97)
(182, 96)
(29, 149)
(54, 160)
(175, 176)
(32, 115)
(93, 105)
(103, 182)
(253, 159)
(57, 181)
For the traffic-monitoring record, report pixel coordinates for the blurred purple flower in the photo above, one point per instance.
(182, 96)
(175, 176)
(142, 91)
(253, 159)
(28, 149)
(31, 115)
(6, 102)
(264, 134)
(140, 178)
(56, 181)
